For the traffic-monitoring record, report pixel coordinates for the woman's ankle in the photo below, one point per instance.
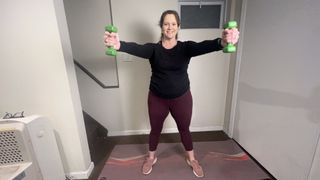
(152, 154)
(190, 155)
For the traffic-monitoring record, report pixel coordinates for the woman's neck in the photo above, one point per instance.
(169, 43)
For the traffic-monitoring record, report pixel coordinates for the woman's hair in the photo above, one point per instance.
(176, 15)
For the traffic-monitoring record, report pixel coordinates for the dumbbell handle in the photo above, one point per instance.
(110, 50)
(230, 48)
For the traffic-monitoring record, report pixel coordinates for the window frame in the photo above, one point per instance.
(222, 3)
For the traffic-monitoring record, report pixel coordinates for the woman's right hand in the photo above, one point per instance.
(111, 40)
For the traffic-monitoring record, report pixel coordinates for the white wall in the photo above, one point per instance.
(37, 74)
(277, 116)
(124, 110)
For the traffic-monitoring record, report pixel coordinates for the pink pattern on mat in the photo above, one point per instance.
(242, 156)
(126, 161)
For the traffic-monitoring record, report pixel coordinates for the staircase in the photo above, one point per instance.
(97, 138)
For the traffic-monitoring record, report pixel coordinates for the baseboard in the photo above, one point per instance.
(167, 130)
(81, 174)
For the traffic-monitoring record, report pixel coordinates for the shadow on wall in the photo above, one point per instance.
(276, 98)
(62, 152)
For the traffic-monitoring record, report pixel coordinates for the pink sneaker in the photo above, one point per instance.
(147, 165)
(197, 169)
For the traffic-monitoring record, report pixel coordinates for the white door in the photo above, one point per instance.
(277, 114)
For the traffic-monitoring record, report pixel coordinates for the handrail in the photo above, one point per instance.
(85, 70)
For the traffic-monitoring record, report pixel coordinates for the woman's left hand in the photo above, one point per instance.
(230, 36)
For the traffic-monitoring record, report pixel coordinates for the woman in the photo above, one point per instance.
(169, 89)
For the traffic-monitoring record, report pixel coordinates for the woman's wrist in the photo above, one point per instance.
(221, 42)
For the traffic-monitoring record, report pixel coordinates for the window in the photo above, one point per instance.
(201, 13)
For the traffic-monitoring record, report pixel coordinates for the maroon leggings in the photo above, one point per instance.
(180, 109)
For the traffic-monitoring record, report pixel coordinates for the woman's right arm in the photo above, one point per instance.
(143, 51)
(112, 40)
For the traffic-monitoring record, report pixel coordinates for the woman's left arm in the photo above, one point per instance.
(228, 36)
(200, 48)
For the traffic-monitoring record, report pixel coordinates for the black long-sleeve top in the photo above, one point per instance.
(169, 67)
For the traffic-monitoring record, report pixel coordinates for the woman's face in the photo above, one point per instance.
(170, 27)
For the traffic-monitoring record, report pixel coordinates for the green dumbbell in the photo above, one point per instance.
(230, 48)
(110, 50)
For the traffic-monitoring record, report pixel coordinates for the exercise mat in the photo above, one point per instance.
(221, 160)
